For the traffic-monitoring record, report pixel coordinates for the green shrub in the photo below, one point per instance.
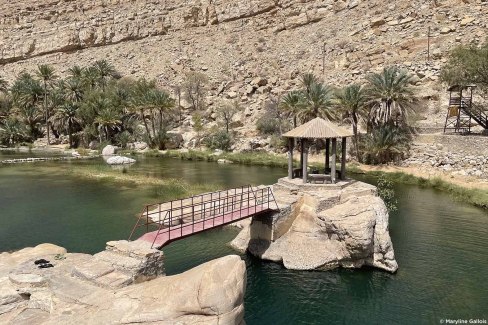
(268, 125)
(12, 132)
(219, 140)
(277, 142)
(385, 144)
(83, 151)
(387, 193)
(123, 139)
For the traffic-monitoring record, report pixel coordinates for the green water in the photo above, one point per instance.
(441, 245)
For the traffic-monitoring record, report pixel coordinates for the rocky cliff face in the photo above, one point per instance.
(322, 227)
(251, 50)
(84, 289)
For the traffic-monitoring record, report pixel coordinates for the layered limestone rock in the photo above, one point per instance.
(322, 227)
(104, 288)
(244, 47)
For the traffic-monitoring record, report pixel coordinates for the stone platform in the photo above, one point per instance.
(322, 226)
(297, 184)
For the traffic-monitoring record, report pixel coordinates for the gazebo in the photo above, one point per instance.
(317, 129)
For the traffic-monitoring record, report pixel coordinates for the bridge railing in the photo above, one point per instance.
(199, 209)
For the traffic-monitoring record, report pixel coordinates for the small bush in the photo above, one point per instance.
(268, 125)
(385, 144)
(83, 151)
(387, 193)
(277, 142)
(219, 140)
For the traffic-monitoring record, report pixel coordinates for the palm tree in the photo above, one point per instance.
(291, 104)
(3, 85)
(90, 77)
(12, 131)
(390, 95)
(27, 93)
(352, 102)
(76, 72)
(108, 119)
(47, 75)
(73, 89)
(317, 102)
(161, 102)
(105, 71)
(386, 143)
(139, 101)
(26, 90)
(66, 118)
(309, 79)
(5, 107)
(32, 117)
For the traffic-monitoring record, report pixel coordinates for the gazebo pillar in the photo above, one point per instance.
(333, 162)
(305, 160)
(327, 155)
(301, 153)
(290, 157)
(343, 159)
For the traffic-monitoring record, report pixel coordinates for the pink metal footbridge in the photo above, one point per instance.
(170, 221)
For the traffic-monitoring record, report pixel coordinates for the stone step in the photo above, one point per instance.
(92, 269)
(281, 187)
(118, 261)
(114, 280)
(102, 274)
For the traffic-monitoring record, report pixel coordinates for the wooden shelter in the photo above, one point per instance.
(317, 129)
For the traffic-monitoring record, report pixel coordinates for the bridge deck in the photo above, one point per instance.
(184, 217)
(160, 238)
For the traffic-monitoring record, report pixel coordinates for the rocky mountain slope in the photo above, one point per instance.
(251, 50)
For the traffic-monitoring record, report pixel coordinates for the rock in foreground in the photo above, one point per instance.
(120, 160)
(78, 289)
(322, 227)
(108, 150)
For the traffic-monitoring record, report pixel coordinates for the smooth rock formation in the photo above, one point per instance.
(175, 140)
(86, 289)
(322, 227)
(108, 150)
(120, 160)
(224, 161)
(138, 146)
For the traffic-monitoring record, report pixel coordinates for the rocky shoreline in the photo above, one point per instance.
(39, 159)
(122, 284)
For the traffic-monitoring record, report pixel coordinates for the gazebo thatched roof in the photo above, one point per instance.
(318, 129)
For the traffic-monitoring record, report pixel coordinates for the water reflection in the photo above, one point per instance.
(440, 245)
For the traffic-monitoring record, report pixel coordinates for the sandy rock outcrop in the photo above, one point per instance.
(77, 290)
(317, 228)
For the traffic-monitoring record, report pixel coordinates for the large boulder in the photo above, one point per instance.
(108, 150)
(317, 229)
(138, 146)
(120, 160)
(175, 140)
